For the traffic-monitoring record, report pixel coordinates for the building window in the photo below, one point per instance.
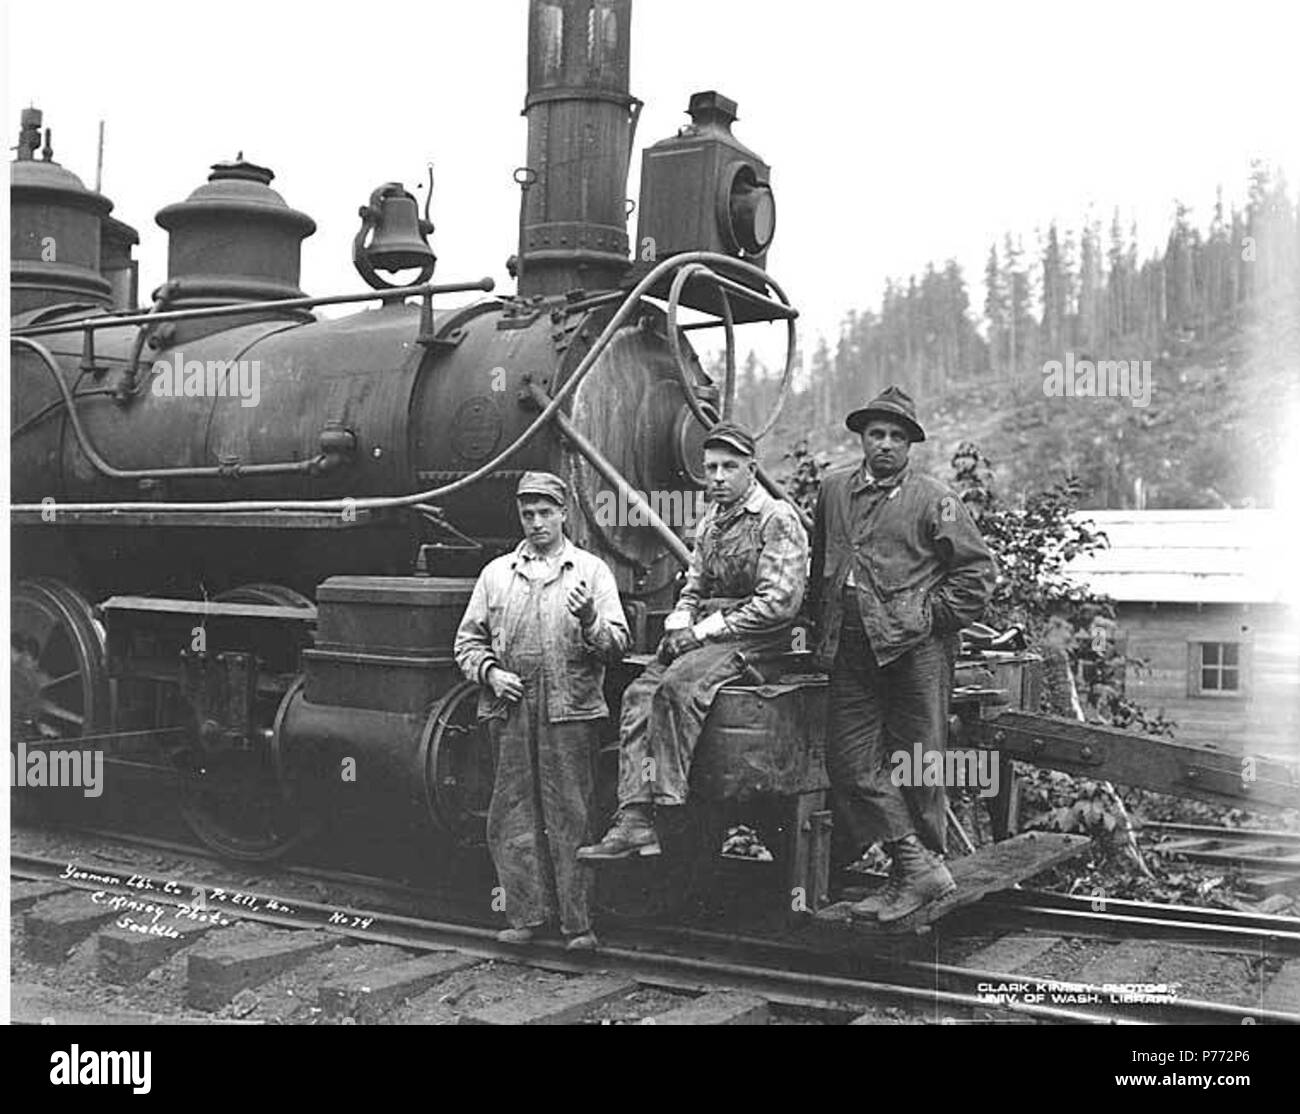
(1219, 669)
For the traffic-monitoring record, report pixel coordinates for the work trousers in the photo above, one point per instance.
(663, 716)
(876, 712)
(539, 815)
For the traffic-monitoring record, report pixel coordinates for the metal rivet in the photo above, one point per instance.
(376, 452)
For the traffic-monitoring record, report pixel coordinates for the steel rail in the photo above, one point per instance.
(968, 979)
(1228, 835)
(1170, 922)
(1252, 926)
(773, 984)
(1154, 910)
(778, 985)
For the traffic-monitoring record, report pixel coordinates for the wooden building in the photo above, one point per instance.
(1211, 599)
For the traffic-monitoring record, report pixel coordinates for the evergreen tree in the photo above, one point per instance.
(1054, 295)
(995, 312)
(1088, 338)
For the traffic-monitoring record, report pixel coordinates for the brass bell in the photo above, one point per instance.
(397, 233)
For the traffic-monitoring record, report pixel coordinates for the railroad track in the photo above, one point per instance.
(1020, 907)
(1271, 860)
(1112, 918)
(664, 974)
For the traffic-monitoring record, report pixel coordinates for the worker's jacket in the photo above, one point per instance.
(918, 561)
(523, 625)
(748, 570)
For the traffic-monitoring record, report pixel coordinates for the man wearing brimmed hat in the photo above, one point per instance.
(899, 568)
(743, 590)
(543, 622)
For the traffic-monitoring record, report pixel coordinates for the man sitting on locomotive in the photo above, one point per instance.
(899, 567)
(743, 591)
(543, 622)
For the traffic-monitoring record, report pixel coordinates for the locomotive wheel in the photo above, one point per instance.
(664, 885)
(58, 679)
(459, 763)
(57, 668)
(232, 799)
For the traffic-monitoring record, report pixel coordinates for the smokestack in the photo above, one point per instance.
(580, 124)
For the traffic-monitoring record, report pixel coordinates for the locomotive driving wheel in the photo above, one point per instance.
(459, 766)
(232, 797)
(56, 660)
(58, 678)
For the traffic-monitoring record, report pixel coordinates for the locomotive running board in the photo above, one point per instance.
(996, 867)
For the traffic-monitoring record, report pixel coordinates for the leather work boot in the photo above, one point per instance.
(632, 833)
(871, 905)
(919, 878)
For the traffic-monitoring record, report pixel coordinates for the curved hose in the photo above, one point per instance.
(679, 358)
(684, 377)
(729, 358)
(51, 407)
(630, 303)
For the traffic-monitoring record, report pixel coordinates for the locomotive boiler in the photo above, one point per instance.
(244, 534)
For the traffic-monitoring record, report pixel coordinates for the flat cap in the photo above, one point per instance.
(731, 435)
(546, 484)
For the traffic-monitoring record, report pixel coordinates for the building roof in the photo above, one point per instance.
(1207, 556)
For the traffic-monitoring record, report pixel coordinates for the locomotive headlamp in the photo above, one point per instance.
(748, 210)
(397, 237)
(704, 190)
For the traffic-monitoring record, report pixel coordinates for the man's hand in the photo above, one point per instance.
(505, 685)
(675, 643)
(582, 603)
(941, 617)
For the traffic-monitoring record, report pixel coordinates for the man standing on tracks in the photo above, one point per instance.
(898, 569)
(743, 590)
(543, 622)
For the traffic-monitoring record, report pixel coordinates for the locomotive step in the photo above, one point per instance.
(996, 867)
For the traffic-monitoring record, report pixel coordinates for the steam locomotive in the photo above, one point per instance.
(244, 534)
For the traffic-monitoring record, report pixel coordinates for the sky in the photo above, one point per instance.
(898, 134)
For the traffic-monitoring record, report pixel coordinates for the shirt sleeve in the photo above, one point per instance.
(473, 645)
(960, 597)
(695, 588)
(608, 636)
(780, 580)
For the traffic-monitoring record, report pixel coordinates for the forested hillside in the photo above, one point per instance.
(1216, 311)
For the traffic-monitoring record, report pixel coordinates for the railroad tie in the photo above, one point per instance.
(553, 1007)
